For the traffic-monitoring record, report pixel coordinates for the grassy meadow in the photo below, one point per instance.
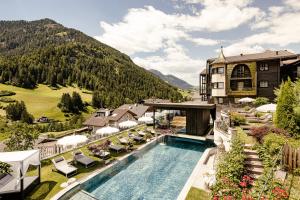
(43, 100)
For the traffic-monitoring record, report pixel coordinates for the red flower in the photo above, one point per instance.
(228, 198)
(243, 184)
(216, 198)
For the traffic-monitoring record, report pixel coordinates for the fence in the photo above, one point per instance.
(291, 157)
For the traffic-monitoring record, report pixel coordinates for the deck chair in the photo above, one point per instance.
(83, 159)
(116, 148)
(142, 133)
(62, 166)
(123, 140)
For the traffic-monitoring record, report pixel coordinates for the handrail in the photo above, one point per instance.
(270, 173)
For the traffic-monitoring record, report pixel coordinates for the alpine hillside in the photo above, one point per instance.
(172, 80)
(46, 52)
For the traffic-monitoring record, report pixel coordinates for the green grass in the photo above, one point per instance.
(293, 186)
(197, 194)
(42, 101)
(51, 180)
(246, 138)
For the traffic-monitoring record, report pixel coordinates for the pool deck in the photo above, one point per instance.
(194, 137)
(196, 179)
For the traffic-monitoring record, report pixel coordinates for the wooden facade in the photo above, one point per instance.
(265, 72)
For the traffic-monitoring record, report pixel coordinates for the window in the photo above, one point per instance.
(241, 71)
(263, 67)
(218, 85)
(219, 70)
(263, 84)
(220, 100)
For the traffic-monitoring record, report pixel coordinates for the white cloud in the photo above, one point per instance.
(281, 28)
(174, 61)
(294, 4)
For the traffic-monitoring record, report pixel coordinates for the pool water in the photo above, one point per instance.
(159, 173)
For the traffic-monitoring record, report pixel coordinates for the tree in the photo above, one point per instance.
(17, 111)
(286, 101)
(22, 137)
(5, 168)
(259, 101)
(77, 102)
(98, 100)
(65, 103)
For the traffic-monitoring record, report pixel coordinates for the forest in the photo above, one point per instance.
(46, 52)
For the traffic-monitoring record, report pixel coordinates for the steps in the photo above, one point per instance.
(254, 165)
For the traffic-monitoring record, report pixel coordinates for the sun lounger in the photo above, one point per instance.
(101, 154)
(82, 159)
(141, 133)
(138, 138)
(116, 148)
(123, 140)
(62, 166)
(247, 112)
(266, 120)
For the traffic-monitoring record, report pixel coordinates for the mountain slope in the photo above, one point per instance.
(44, 51)
(172, 80)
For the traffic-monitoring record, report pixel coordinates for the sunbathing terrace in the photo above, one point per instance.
(197, 114)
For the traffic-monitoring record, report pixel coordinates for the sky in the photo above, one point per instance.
(173, 36)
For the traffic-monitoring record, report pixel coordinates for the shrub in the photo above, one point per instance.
(5, 168)
(7, 100)
(259, 101)
(247, 108)
(231, 167)
(237, 119)
(6, 93)
(259, 132)
(274, 142)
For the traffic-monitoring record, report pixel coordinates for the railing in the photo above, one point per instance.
(291, 157)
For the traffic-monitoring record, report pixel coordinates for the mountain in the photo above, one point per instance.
(172, 80)
(44, 51)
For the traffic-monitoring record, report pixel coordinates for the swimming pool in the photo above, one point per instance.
(158, 172)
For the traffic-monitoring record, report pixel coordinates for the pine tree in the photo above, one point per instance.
(77, 103)
(284, 116)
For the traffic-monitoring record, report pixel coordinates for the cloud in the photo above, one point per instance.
(280, 28)
(294, 4)
(174, 61)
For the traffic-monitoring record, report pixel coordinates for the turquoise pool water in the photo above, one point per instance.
(159, 173)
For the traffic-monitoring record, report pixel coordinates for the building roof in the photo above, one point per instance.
(96, 120)
(118, 113)
(221, 58)
(290, 61)
(138, 109)
(267, 55)
(204, 71)
(153, 100)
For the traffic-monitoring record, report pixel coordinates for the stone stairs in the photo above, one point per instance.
(254, 165)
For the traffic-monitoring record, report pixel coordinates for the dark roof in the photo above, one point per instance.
(118, 113)
(96, 120)
(267, 55)
(290, 61)
(203, 72)
(138, 109)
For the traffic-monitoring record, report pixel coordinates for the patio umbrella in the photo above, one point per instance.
(72, 140)
(267, 108)
(146, 120)
(108, 130)
(246, 100)
(127, 124)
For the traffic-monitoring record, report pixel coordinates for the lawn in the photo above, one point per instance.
(51, 180)
(197, 194)
(42, 101)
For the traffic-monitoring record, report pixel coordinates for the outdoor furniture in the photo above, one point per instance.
(123, 140)
(116, 148)
(142, 133)
(138, 138)
(104, 155)
(17, 184)
(247, 112)
(83, 159)
(263, 121)
(62, 166)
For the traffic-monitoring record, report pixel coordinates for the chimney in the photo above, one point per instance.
(241, 54)
(276, 52)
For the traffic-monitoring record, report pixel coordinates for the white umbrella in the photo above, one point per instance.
(246, 100)
(147, 120)
(108, 130)
(127, 124)
(267, 108)
(72, 140)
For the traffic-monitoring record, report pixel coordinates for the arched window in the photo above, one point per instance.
(241, 71)
(241, 78)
